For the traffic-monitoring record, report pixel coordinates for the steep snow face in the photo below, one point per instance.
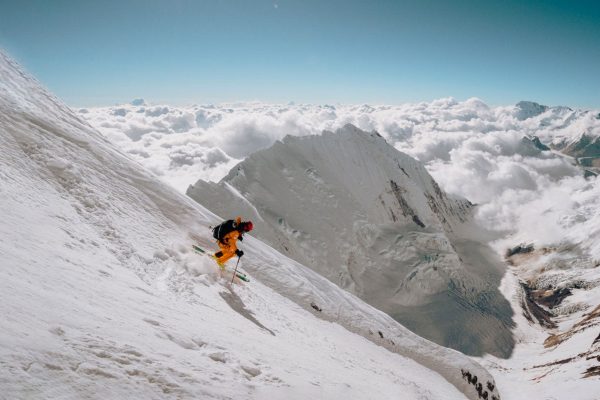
(100, 295)
(524, 192)
(323, 191)
(372, 220)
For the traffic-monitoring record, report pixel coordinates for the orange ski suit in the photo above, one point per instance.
(228, 247)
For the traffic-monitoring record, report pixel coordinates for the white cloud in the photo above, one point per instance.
(473, 150)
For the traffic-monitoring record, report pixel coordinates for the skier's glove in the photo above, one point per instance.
(239, 253)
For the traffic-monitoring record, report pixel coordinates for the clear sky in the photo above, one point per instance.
(313, 51)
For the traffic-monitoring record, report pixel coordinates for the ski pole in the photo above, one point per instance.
(234, 272)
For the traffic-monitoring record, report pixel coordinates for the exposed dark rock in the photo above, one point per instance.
(586, 146)
(537, 143)
(417, 221)
(550, 298)
(483, 392)
(592, 371)
(590, 162)
(589, 319)
(403, 170)
(316, 307)
(520, 249)
(528, 109)
(532, 146)
(407, 211)
(557, 362)
(532, 310)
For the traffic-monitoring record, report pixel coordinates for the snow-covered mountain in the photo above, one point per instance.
(557, 293)
(526, 193)
(372, 220)
(101, 297)
(575, 133)
(495, 156)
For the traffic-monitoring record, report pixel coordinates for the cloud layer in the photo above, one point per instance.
(472, 150)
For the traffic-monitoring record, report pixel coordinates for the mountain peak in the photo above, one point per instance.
(138, 102)
(372, 220)
(353, 129)
(529, 109)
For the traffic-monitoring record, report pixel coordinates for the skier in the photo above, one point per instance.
(227, 235)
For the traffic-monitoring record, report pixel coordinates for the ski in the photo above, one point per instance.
(242, 276)
(200, 250)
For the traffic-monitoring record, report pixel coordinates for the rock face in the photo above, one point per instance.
(372, 220)
(574, 133)
(538, 144)
(528, 109)
(585, 146)
(585, 150)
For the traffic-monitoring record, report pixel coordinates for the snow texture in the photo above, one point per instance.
(101, 297)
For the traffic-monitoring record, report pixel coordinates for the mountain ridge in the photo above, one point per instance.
(372, 220)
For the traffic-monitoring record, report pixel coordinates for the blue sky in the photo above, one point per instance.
(313, 51)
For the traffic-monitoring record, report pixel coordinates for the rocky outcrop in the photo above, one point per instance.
(529, 109)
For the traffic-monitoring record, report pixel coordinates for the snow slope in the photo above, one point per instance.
(101, 297)
(372, 220)
(472, 150)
